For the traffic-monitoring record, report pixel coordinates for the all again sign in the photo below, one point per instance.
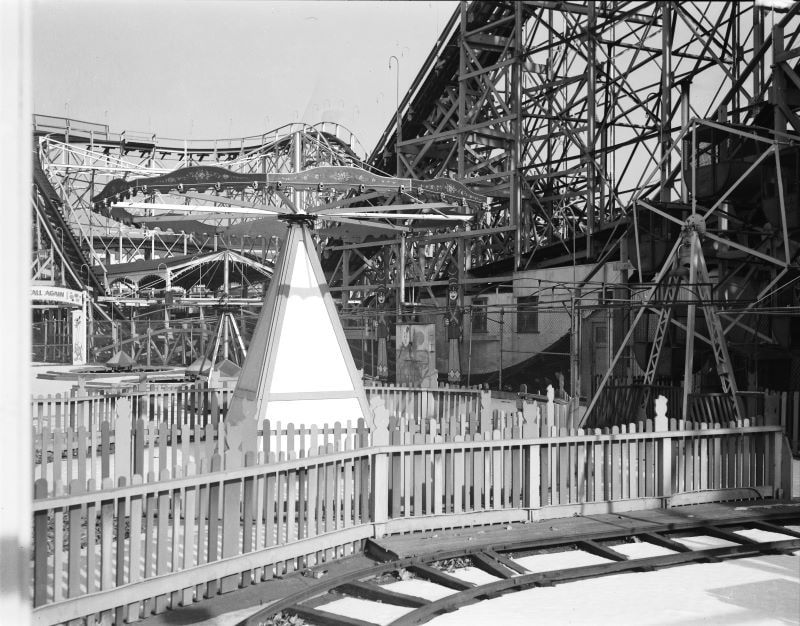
(62, 295)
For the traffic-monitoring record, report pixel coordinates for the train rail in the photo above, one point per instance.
(413, 556)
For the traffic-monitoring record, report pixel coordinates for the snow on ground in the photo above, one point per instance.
(703, 542)
(473, 575)
(549, 561)
(375, 612)
(641, 550)
(420, 588)
(758, 590)
(763, 535)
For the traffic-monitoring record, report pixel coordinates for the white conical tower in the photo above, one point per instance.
(298, 367)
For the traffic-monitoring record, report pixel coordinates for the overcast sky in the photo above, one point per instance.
(206, 69)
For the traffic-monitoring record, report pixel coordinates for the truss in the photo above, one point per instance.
(555, 110)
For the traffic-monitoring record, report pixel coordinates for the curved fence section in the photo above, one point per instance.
(145, 543)
(92, 437)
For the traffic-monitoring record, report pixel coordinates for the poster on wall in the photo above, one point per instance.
(78, 337)
(416, 355)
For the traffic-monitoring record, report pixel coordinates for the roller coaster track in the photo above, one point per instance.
(75, 159)
(81, 157)
(497, 558)
(47, 206)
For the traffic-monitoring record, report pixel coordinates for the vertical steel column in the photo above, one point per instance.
(226, 335)
(226, 273)
(575, 347)
(297, 165)
(551, 127)
(758, 41)
(736, 60)
(691, 240)
(500, 368)
(666, 99)
(398, 164)
(345, 295)
(462, 252)
(516, 125)
(685, 113)
(591, 131)
(462, 91)
(401, 274)
(608, 105)
(778, 79)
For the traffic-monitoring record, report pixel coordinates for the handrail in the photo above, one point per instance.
(50, 502)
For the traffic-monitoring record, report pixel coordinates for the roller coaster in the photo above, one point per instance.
(660, 138)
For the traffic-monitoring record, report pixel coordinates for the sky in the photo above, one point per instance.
(207, 69)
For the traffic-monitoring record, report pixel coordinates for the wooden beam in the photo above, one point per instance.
(727, 535)
(491, 566)
(440, 578)
(665, 542)
(509, 563)
(775, 528)
(372, 591)
(599, 549)
(325, 618)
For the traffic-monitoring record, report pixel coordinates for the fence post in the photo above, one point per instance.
(122, 441)
(551, 411)
(661, 424)
(777, 465)
(772, 408)
(380, 468)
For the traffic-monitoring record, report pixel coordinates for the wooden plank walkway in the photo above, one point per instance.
(564, 530)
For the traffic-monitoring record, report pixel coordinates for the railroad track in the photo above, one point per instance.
(498, 558)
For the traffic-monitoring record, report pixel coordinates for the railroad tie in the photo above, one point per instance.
(371, 591)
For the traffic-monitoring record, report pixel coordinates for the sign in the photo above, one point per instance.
(63, 295)
(416, 355)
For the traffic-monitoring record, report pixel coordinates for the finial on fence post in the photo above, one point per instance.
(661, 423)
(379, 470)
(123, 439)
(240, 430)
(380, 422)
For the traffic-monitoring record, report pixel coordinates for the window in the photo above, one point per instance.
(600, 335)
(528, 314)
(479, 315)
(607, 295)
